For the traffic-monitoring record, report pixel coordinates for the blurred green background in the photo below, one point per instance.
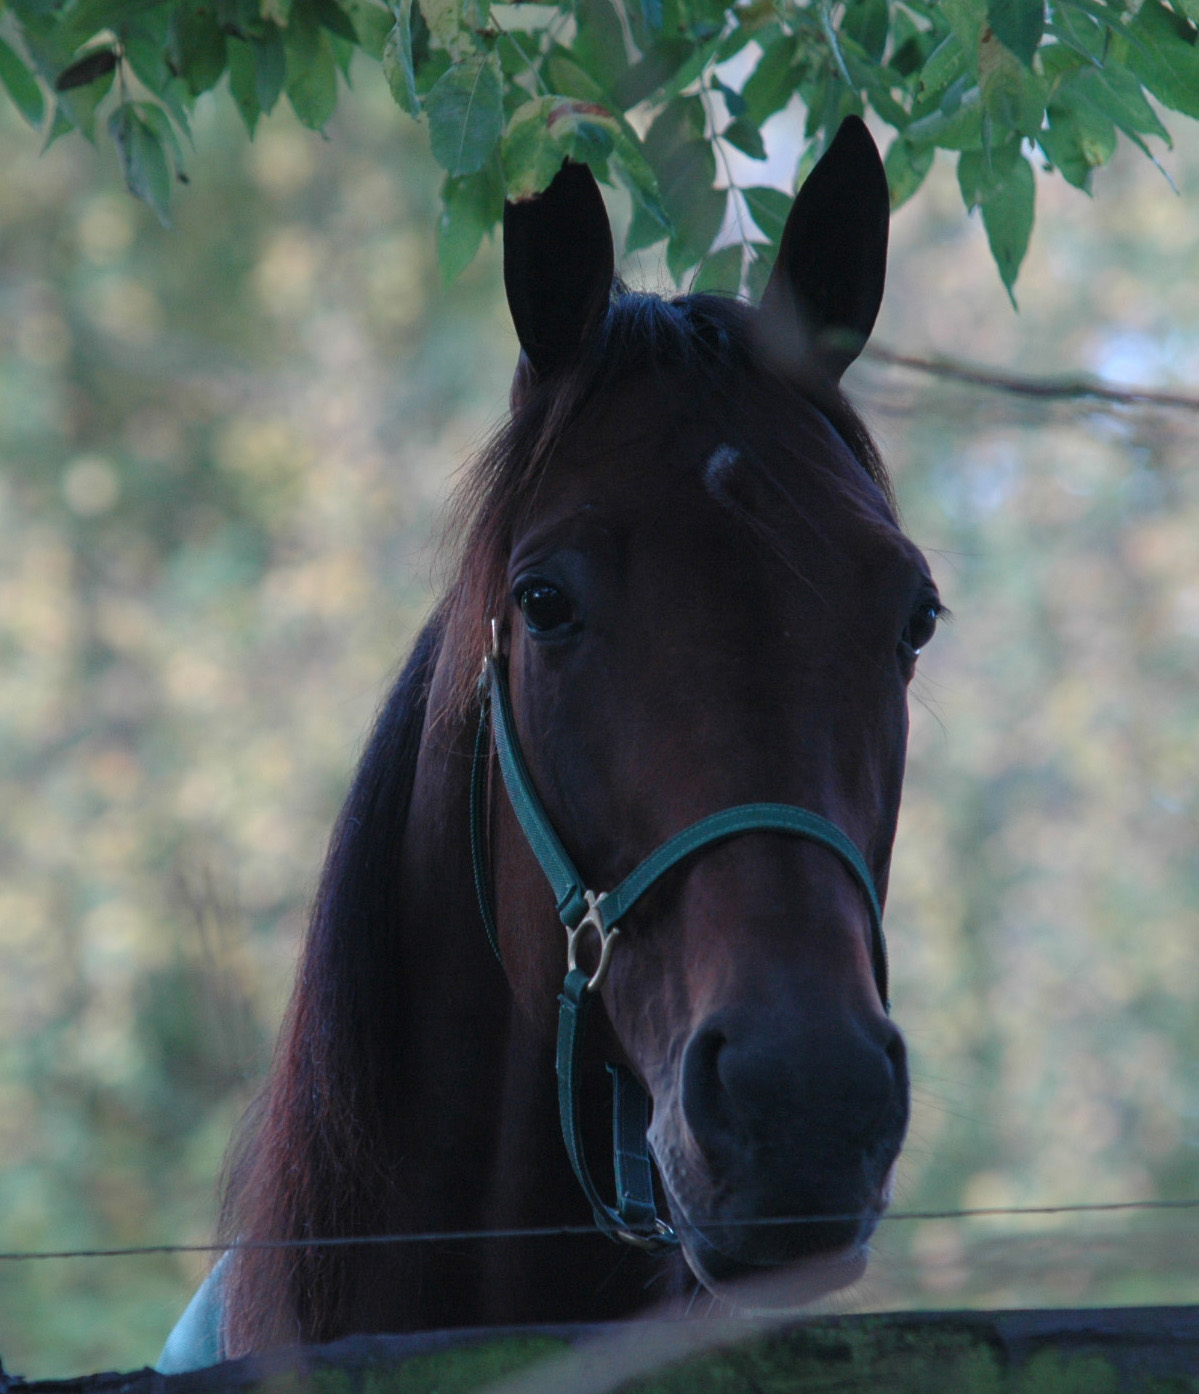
(223, 451)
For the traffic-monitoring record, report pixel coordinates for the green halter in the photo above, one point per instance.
(635, 1218)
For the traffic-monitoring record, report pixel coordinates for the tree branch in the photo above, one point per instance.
(1054, 388)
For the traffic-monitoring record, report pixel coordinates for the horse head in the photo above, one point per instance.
(697, 618)
(707, 602)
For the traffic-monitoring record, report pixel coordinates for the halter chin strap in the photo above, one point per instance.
(635, 1219)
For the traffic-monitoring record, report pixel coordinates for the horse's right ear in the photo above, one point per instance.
(826, 287)
(558, 267)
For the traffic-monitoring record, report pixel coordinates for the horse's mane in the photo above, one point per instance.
(310, 1159)
(306, 1162)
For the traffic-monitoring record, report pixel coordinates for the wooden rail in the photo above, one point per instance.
(1136, 1350)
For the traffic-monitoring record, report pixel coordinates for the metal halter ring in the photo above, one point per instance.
(662, 1237)
(607, 938)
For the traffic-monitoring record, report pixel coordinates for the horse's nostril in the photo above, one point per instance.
(705, 1102)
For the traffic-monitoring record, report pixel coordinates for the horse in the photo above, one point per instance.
(675, 654)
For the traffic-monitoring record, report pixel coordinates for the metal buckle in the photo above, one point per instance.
(606, 937)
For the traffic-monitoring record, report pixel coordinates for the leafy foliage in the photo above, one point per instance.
(652, 94)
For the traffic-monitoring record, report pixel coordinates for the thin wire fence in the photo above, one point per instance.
(567, 1231)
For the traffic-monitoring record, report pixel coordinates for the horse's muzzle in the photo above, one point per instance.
(779, 1145)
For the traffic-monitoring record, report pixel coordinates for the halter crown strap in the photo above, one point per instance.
(635, 1219)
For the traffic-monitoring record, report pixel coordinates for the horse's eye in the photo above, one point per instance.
(544, 607)
(922, 625)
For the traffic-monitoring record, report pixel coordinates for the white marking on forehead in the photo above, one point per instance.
(717, 468)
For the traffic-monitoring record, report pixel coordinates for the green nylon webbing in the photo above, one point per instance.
(753, 817)
(636, 1216)
(560, 872)
(478, 850)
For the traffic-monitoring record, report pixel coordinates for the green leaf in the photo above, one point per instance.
(982, 172)
(769, 208)
(1077, 31)
(1004, 187)
(907, 167)
(160, 124)
(1077, 140)
(312, 90)
(21, 86)
(547, 130)
(733, 100)
(430, 68)
(598, 46)
(1117, 94)
(471, 207)
(772, 83)
(195, 47)
(1059, 62)
(1011, 93)
(466, 114)
(398, 66)
(1019, 25)
(910, 54)
(966, 19)
(866, 22)
(746, 137)
(691, 69)
(143, 162)
(242, 19)
(531, 156)
(721, 271)
(85, 17)
(1167, 58)
(372, 24)
(144, 44)
(270, 66)
(957, 129)
(333, 18)
(444, 19)
(662, 64)
(685, 166)
(571, 80)
(875, 82)
(647, 18)
(644, 231)
(946, 62)
(633, 169)
(243, 82)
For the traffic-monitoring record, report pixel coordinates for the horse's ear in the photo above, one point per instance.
(827, 284)
(558, 267)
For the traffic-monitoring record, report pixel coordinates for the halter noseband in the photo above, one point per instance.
(635, 1219)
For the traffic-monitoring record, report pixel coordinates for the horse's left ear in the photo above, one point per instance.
(827, 284)
(558, 267)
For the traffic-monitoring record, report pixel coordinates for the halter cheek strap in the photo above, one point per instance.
(635, 1218)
